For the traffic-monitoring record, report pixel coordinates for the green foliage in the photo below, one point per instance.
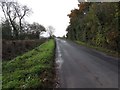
(95, 24)
(6, 30)
(30, 69)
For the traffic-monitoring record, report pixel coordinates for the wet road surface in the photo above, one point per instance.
(82, 67)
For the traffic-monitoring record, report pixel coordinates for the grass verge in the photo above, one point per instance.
(34, 69)
(107, 51)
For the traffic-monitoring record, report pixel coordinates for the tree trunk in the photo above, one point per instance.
(14, 28)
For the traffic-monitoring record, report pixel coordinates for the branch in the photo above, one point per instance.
(2, 5)
(23, 14)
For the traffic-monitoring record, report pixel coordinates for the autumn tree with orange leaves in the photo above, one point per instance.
(96, 24)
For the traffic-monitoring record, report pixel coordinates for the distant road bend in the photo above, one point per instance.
(82, 67)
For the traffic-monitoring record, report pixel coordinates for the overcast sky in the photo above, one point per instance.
(51, 12)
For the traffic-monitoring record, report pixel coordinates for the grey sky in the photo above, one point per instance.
(51, 12)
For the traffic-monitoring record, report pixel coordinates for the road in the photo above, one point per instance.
(82, 67)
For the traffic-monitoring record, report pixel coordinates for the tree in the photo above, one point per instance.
(37, 29)
(13, 12)
(21, 12)
(50, 31)
(6, 30)
(95, 24)
(10, 14)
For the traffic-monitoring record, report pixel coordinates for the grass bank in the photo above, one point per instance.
(107, 51)
(34, 69)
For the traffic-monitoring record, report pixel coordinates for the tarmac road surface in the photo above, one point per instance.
(82, 67)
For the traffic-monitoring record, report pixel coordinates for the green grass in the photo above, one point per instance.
(107, 51)
(34, 69)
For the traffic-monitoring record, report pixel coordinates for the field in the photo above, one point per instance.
(34, 69)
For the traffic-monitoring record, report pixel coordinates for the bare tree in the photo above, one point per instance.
(21, 12)
(10, 14)
(50, 30)
(12, 11)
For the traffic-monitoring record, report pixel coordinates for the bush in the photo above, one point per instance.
(11, 49)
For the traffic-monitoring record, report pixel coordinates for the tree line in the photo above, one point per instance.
(15, 27)
(96, 24)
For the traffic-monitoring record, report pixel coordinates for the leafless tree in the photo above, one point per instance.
(13, 12)
(50, 30)
(10, 14)
(21, 12)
